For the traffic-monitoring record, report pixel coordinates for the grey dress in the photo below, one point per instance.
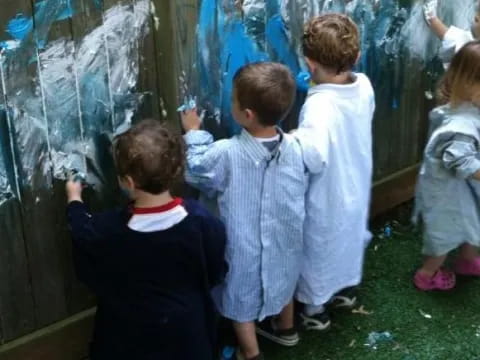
(448, 199)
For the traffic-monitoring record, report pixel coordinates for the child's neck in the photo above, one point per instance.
(343, 78)
(262, 132)
(147, 200)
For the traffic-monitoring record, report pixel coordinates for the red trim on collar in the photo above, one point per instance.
(158, 209)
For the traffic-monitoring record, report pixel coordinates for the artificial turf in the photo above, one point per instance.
(424, 326)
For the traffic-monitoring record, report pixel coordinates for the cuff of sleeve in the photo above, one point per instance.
(198, 137)
(470, 171)
(76, 205)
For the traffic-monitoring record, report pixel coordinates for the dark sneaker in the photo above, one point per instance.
(318, 322)
(345, 299)
(287, 337)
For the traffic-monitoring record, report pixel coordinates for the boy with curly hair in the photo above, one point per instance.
(151, 265)
(337, 117)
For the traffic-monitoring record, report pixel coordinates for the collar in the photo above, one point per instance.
(255, 149)
(347, 90)
(158, 209)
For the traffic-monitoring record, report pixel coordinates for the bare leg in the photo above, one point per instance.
(285, 320)
(432, 264)
(468, 252)
(247, 339)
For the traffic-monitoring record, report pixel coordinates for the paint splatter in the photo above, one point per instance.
(392, 33)
(64, 118)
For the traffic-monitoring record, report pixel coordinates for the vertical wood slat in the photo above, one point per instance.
(176, 53)
(148, 71)
(17, 314)
(18, 77)
(47, 234)
(184, 21)
(165, 48)
(87, 17)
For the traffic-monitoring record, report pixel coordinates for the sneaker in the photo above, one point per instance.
(287, 337)
(239, 356)
(318, 322)
(441, 280)
(345, 299)
(468, 267)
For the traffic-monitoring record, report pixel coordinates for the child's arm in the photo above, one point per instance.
(461, 156)
(206, 160)
(438, 27)
(86, 233)
(313, 134)
(430, 13)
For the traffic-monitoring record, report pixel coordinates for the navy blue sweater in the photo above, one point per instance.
(152, 288)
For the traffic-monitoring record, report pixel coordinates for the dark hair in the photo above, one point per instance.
(461, 83)
(266, 88)
(151, 155)
(332, 40)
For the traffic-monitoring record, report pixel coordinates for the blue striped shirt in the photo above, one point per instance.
(261, 199)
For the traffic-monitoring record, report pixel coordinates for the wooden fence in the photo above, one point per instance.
(44, 312)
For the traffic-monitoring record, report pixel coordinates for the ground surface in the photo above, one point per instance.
(424, 326)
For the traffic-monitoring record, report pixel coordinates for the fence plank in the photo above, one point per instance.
(164, 36)
(148, 68)
(17, 314)
(41, 211)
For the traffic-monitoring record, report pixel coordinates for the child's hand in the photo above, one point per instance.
(430, 10)
(191, 120)
(74, 190)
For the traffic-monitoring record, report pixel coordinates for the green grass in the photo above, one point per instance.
(453, 332)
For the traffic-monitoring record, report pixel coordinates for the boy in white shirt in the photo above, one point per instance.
(337, 118)
(453, 38)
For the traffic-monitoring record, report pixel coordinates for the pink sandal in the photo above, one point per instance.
(468, 267)
(441, 280)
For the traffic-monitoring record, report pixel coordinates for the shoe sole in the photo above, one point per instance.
(276, 339)
(346, 303)
(316, 327)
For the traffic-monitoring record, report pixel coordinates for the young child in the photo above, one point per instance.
(448, 193)
(453, 38)
(260, 181)
(152, 266)
(337, 115)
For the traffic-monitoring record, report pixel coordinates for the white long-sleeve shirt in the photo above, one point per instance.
(338, 119)
(454, 39)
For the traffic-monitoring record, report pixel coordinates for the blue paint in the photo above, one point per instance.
(19, 27)
(277, 38)
(237, 46)
(303, 81)
(189, 103)
(228, 353)
(387, 231)
(395, 104)
(237, 51)
(98, 3)
(46, 13)
(66, 12)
